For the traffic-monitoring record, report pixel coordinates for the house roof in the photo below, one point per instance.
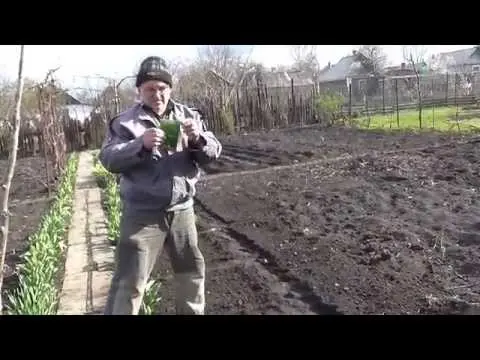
(281, 79)
(348, 66)
(301, 78)
(404, 68)
(275, 79)
(462, 57)
(70, 100)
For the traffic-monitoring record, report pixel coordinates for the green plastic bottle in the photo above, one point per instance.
(171, 127)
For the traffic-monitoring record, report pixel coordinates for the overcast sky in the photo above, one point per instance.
(117, 61)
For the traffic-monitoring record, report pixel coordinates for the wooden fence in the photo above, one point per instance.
(51, 136)
(32, 142)
(250, 109)
(260, 108)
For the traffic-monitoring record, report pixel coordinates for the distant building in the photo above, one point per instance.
(348, 66)
(349, 69)
(76, 110)
(465, 61)
(279, 79)
(399, 70)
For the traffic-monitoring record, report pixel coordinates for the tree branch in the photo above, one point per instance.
(5, 214)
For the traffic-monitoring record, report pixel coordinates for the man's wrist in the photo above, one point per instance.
(199, 143)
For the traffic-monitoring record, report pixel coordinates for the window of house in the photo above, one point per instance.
(476, 68)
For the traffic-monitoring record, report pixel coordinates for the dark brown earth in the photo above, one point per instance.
(29, 201)
(372, 227)
(381, 233)
(279, 147)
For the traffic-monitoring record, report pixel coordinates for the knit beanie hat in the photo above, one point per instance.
(153, 68)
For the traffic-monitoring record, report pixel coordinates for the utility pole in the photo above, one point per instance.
(116, 98)
(116, 87)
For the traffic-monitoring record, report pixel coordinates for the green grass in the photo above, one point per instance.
(441, 119)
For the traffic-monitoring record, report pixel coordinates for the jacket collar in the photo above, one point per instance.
(145, 113)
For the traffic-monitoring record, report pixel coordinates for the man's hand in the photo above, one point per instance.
(192, 130)
(153, 138)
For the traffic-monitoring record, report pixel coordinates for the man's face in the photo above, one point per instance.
(155, 94)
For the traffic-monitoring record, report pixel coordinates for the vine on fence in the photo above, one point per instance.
(52, 132)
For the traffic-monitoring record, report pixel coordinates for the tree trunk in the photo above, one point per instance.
(419, 93)
(5, 214)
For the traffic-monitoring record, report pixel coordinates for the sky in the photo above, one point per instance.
(84, 65)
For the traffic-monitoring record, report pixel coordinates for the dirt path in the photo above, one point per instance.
(89, 260)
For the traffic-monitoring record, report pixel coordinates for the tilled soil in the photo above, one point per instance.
(287, 146)
(237, 282)
(394, 232)
(28, 202)
(369, 226)
(376, 234)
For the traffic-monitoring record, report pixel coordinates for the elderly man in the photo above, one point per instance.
(157, 186)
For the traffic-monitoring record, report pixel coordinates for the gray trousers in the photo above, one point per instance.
(142, 239)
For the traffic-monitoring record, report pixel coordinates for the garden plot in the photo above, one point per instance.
(29, 200)
(379, 224)
(288, 146)
(397, 233)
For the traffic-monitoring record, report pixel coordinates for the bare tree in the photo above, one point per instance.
(415, 56)
(29, 106)
(86, 96)
(215, 75)
(305, 57)
(441, 64)
(5, 214)
(223, 60)
(176, 67)
(374, 58)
